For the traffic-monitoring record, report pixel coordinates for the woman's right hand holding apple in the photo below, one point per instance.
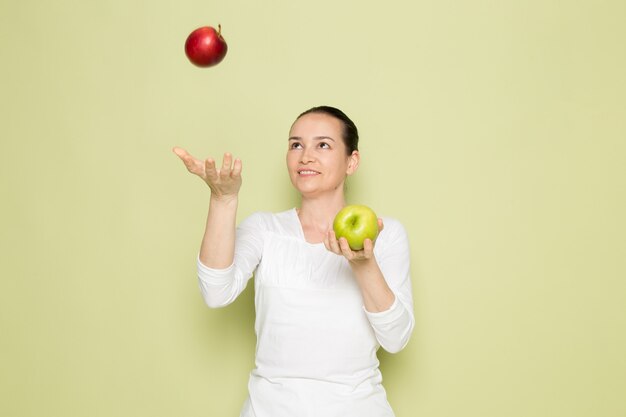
(224, 182)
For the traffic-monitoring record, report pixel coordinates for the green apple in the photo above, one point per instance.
(356, 223)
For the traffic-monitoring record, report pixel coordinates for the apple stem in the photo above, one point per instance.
(219, 29)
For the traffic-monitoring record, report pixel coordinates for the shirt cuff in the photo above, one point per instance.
(393, 313)
(213, 276)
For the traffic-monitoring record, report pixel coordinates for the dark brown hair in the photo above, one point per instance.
(350, 132)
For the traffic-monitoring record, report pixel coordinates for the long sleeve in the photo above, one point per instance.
(221, 287)
(316, 348)
(394, 326)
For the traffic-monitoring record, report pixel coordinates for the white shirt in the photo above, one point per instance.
(316, 343)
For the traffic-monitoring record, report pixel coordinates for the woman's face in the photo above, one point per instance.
(317, 157)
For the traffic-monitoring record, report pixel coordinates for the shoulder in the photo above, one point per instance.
(393, 233)
(392, 227)
(392, 244)
(256, 220)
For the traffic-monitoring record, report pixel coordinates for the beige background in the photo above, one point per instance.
(495, 131)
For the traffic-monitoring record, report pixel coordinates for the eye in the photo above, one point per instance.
(295, 145)
(324, 145)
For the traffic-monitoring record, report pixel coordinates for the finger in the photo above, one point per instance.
(381, 226)
(368, 248)
(210, 171)
(333, 245)
(226, 165)
(327, 241)
(345, 249)
(237, 167)
(180, 152)
(193, 165)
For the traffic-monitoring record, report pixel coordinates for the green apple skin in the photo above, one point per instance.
(356, 223)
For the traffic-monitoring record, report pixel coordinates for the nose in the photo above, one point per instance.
(306, 156)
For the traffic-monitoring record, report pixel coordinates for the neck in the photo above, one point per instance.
(319, 213)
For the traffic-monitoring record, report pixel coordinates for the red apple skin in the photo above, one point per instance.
(205, 46)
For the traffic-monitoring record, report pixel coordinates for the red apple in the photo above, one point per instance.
(205, 46)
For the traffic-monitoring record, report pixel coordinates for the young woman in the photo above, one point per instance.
(322, 310)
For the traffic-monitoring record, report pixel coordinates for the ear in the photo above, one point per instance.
(353, 162)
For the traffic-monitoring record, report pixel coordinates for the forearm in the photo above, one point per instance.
(218, 244)
(391, 321)
(390, 312)
(377, 296)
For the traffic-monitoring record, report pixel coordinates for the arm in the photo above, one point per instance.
(377, 295)
(220, 282)
(221, 286)
(218, 244)
(383, 276)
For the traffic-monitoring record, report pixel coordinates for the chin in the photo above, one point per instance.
(306, 191)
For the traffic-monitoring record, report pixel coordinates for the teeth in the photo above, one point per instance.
(308, 172)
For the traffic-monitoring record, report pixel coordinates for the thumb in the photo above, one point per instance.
(180, 152)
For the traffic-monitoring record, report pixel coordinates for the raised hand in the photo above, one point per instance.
(224, 182)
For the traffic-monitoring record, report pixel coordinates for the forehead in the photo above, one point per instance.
(317, 124)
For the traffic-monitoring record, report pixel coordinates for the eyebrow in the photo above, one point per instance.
(316, 138)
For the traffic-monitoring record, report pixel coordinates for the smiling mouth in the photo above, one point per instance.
(307, 172)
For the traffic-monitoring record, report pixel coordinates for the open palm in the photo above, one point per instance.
(224, 181)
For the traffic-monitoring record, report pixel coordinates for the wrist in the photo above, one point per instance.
(224, 200)
(363, 264)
